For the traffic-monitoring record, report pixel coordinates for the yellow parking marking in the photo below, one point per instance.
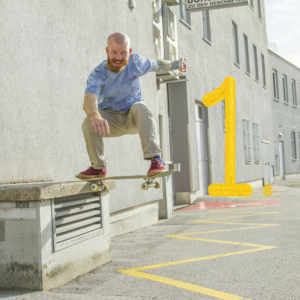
(183, 285)
(138, 272)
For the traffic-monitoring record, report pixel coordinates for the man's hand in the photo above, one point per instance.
(182, 64)
(164, 65)
(100, 125)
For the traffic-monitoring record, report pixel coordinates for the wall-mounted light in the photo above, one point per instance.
(132, 4)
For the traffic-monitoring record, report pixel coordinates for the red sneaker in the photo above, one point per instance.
(156, 167)
(93, 173)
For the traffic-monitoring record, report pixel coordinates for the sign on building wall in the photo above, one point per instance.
(197, 5)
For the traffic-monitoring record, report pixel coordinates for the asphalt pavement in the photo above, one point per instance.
(220, 248)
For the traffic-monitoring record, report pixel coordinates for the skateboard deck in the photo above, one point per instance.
(98, 183)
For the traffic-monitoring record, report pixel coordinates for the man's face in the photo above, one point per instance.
(117, 56)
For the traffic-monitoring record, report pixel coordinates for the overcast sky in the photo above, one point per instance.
(283, 26)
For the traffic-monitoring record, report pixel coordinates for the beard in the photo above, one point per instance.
(116, 69)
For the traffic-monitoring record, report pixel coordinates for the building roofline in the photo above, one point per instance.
(283, 58)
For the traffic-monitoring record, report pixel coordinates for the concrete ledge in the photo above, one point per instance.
(46, 190)
(292, 176)
(183, 198)
(255, 184)
(134, 218)
(40, 248)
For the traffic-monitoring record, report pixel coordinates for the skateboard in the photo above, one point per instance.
(98, 183)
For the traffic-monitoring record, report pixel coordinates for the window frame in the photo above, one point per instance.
(206, 25)
(247, 138)
(251, 3)
(236, 43)
(256, 63)
(184, 15)
(263, 63)
(259, 9)
(285, 89)
(275, 84)
(294, 145)
(294, 92)
(246, 46)
(256, 142)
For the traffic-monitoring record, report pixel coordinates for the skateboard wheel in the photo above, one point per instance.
(94, 187)
(104, 188)
(145, 186)
(157, 185)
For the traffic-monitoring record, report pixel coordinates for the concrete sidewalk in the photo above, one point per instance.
(184, 268)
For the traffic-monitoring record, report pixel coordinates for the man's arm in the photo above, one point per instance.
(89, 106)
(164, 65)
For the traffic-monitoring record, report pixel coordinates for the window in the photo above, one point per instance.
(285, 89)
(294, 92)
(155, 10)
(247, 54)
(293, 141)
(200, 112)
(255, 62)
(251, 3)
(184, 16)
(247, 141)
(236, 43)
(277, 161)
(256, 142)
(206, 25)
(259, 8)
(263, 70)
(171, 25)
(275, 84)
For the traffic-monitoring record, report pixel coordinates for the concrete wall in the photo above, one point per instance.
(48, 49)
(286, 116)
(28, 257)
(208, 65)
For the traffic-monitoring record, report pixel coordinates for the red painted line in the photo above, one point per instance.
(218, 205)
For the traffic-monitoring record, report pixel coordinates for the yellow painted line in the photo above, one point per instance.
(168, 264)
(222, 242)
(137, 272)
(222, 230)
(183, 285)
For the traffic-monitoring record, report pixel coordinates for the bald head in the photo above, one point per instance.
(119, 38)
(118, 51)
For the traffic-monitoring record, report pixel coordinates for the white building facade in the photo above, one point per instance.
(49, 49)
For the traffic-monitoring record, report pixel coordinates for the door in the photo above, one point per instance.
(266, 163)
(281, 161)
(203, 167)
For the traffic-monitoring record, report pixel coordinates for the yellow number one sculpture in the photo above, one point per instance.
(230, 188)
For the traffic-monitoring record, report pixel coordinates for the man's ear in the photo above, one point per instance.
(130, 51)
(106, 50)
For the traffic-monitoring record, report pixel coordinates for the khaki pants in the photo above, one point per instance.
(137, 120)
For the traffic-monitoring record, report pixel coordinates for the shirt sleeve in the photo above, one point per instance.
(94, 82)
(143, 64)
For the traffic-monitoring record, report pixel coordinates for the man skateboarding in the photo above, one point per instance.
(115, 86)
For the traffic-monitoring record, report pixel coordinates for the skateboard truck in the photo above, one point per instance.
(149, 183)
(98, 186)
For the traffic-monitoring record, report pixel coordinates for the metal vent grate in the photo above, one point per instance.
(75, 219)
